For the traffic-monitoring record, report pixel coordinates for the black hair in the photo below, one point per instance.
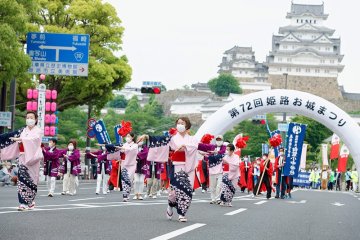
(54, 140)
(231, 147)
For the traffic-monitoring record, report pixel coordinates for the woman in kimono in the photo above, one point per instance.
(26, 145)
(142, 167)
(51, 165)
(128, 164)
(184, 160)
(70, 168)
(103, 169)
(230, 176)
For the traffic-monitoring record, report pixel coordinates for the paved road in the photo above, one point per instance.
(309, 215)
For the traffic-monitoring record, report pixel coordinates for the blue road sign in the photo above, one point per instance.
(58, 54)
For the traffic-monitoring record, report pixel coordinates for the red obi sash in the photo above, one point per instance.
(225, 167)
(178, 156)
(122, 156)
(21, 147)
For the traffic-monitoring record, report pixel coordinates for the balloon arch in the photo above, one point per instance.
(281, 100)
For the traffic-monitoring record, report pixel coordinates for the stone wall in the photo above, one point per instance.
(325, 87)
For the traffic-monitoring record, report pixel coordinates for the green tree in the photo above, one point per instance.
(118, 102)
(13, 24)
(133, 105)
(106, 71)
(224, 84)
(153, 107)
(316, 133)
(257, 132)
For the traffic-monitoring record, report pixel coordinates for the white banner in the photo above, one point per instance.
(303, 157)
(324, 153)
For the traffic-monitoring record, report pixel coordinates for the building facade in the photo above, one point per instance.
(305, 54)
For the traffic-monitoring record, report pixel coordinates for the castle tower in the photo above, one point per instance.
(305, 56)
(240, 62)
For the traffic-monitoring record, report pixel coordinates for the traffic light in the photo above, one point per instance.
(151, 90)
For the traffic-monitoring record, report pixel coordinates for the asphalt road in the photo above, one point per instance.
(308, 215)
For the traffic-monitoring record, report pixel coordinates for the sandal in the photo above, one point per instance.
(182, 219)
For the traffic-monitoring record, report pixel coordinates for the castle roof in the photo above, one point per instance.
(302, 9)
(237, 49)
(300, 28)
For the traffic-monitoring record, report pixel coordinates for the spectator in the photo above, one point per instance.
(355, 180)
(348, 179)
(14, 174)
(5, 174)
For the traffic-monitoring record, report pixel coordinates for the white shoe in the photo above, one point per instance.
(182, 219)
(158, 194)
(203, 191)
(140, 198)
(146, 196)
(154, 197)
(193, 194)
(22, 207)
(135, 197)
(169, 212)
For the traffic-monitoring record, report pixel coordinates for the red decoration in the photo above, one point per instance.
(125, 128)
(207, 138)
(172, 131)
(241, 142)
(275, 140)
(262, 122)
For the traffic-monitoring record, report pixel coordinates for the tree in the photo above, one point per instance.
(224, 84)
(133, 106)
(316, 133)
(106, 71)
(118, 102)
(13, 23)
(153, 107)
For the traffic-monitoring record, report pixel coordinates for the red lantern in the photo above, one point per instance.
(47, 118)
(47, 106)
(29, 106)
(241, 142)
(35, 93)
(48, 94)
(34, 106)
(53, 106)
(54, 94)
(52, 131)
(47, 131)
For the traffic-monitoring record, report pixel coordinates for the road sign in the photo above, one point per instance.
(283, 127)
(58, 54)
(5, 119)
(91, 122)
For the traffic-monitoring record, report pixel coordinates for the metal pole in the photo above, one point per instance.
(88, 161)
(12, 102)
(286, 79)
(3, 102)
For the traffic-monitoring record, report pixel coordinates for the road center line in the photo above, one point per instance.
(84, 199)
(179, 232)
(261, 202)
(235, 212)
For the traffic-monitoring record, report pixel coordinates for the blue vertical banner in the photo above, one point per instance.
(100, 132)
(264, 148)
(116, 133)
(294, 143)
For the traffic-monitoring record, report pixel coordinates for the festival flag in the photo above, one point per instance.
(303, 157)
(344, 154)
(324, 154)
(335, 146)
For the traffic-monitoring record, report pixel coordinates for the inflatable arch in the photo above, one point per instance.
(281, 100)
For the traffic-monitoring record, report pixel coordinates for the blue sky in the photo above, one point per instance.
(180, 42)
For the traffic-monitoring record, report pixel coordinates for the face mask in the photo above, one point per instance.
(281, 153)
(71, 148)
(140, 143)
(219, 143)
(103, 148)
(264, 157)
(30, 122)
(180, 128)
(246, 159)
(128, 139)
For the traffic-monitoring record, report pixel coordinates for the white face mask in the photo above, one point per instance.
(128, 139)
(264, 157)
(246, 159)
(180, 128)
(281, 153)
(219, 143)
(71, 148)
(140, 143)
(30, 122)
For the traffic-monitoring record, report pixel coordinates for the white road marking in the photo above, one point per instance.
(338, 204)
(84, 199)
(302, 201)
(179, 232)
(235, 212)
(261, 202)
